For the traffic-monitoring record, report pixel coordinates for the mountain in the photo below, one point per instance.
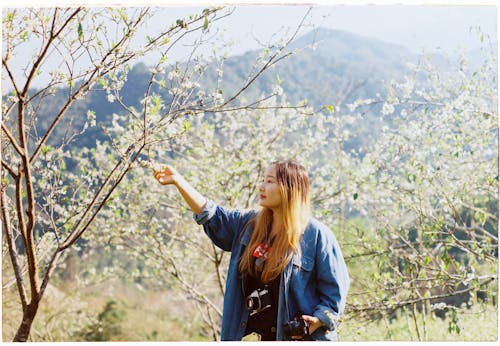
(340, 64)
(330, 67)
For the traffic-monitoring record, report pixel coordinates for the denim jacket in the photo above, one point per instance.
(315, 283)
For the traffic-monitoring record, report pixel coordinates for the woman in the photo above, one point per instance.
(287, 279)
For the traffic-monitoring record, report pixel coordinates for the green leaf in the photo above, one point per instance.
(162, 83)
(24, 35)
(330, 108)
(278, 80)
(205, 24)
(412, 177)
(481, 217)
(46, 149)
(355, 196)
(103, 82)
(10, 17)
(165, 40)
(124, 16)
(80, 31)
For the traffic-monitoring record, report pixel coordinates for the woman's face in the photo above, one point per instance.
(269, 191)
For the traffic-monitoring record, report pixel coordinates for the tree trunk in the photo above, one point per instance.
(24, 329)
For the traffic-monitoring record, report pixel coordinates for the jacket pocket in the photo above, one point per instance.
(302, 283)
(304, 263)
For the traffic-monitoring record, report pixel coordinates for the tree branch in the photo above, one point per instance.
(27, 230)
(48, 44)
(14, 255)
(9, 169)
(12, 140)
(50, 269)
(11, 76)
(384, 306)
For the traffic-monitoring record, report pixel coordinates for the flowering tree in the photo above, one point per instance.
(224, 155)
(415, 211)
(49, 198)
(429, 191)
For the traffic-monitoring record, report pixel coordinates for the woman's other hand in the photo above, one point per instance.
(314, 323)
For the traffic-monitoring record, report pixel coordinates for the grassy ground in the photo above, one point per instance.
(165, 316)
(143, 316)
(480, 323)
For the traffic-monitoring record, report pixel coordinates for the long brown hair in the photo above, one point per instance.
(293, 183)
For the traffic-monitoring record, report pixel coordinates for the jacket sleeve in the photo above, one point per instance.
(332, 280)
(221, 225)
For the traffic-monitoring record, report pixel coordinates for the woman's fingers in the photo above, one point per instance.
(164, 176)
(314, 322)
(158, 175)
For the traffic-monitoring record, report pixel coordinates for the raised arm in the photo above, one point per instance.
(169, 176)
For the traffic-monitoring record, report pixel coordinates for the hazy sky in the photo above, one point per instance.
(410, 25)
(447, 26)
(416, 25)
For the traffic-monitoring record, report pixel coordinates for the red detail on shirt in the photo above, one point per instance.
(261, 251)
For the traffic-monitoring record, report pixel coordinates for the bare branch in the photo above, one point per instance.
(12, 139)
(14, 255)
(48, 44)
(11, 76)
(9, 169)
(484, 280)
(273, 59)
(50, 270)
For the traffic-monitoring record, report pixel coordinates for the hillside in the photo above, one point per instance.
(329, 67)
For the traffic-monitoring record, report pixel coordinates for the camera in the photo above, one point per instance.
(296, 327)
(259, 300)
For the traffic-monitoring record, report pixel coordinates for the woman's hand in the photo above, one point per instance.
(314, 323)
(166, 176)
(193, 198)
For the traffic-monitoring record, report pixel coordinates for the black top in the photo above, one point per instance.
(263, 322)
(265, 319)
